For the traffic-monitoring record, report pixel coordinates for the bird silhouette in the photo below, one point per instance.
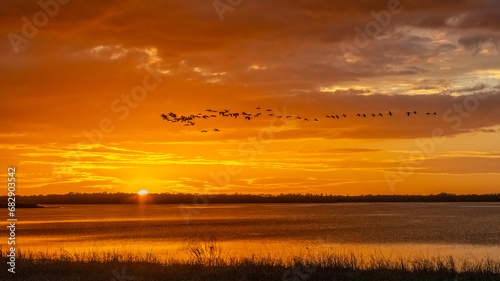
(216, 130)
(203, 131)
(358, 115)
(247, 117)
(380, 114)
(390, 113)
(408, 113)
(373, 115)
(364, 115)
(344, 115)
(415, 112)
(315, 119)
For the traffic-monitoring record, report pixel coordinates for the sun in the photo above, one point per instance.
(142, 192)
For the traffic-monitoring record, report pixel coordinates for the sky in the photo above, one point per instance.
(83, 85)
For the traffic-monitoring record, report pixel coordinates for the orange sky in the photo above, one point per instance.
(83, 85)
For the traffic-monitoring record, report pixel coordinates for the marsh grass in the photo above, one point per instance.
(207, 262)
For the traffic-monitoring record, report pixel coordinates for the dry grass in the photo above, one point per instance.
(207, 262)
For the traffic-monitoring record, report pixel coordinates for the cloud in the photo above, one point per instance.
(432, 57)
(477, 42)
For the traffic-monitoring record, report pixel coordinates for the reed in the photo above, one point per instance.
(207, 262)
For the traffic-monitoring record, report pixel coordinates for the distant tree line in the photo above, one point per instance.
(188, 198)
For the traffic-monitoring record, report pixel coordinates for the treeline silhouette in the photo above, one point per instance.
(188, 198)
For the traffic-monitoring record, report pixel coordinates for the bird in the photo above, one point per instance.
(337, 116)
(390, 113)
(364, 115)
(315, 119)
(258, 107)
(328, 116)
(408, 113)
(373, 115)
(435, 113)
(306, 119)
(269, 110)
(415, 112)
(359, 115)
(380, 114)
(216, 130)
(247, 117)
(344, 115)
(203, 131)
(428, 113)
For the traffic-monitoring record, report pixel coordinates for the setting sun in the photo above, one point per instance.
(142, 192)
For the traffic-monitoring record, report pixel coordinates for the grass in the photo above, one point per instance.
(206, 262)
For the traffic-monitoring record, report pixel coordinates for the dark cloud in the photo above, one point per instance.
(476, 42)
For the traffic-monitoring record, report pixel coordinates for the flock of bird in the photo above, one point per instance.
(190, 120)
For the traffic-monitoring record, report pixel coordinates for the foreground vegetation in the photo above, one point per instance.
(207, 263)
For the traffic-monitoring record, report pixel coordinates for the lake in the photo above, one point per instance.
(464, 230)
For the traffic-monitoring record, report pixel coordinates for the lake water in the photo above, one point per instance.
(464, 230)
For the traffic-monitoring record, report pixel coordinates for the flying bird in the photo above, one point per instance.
(203, 131)
(390, 113)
